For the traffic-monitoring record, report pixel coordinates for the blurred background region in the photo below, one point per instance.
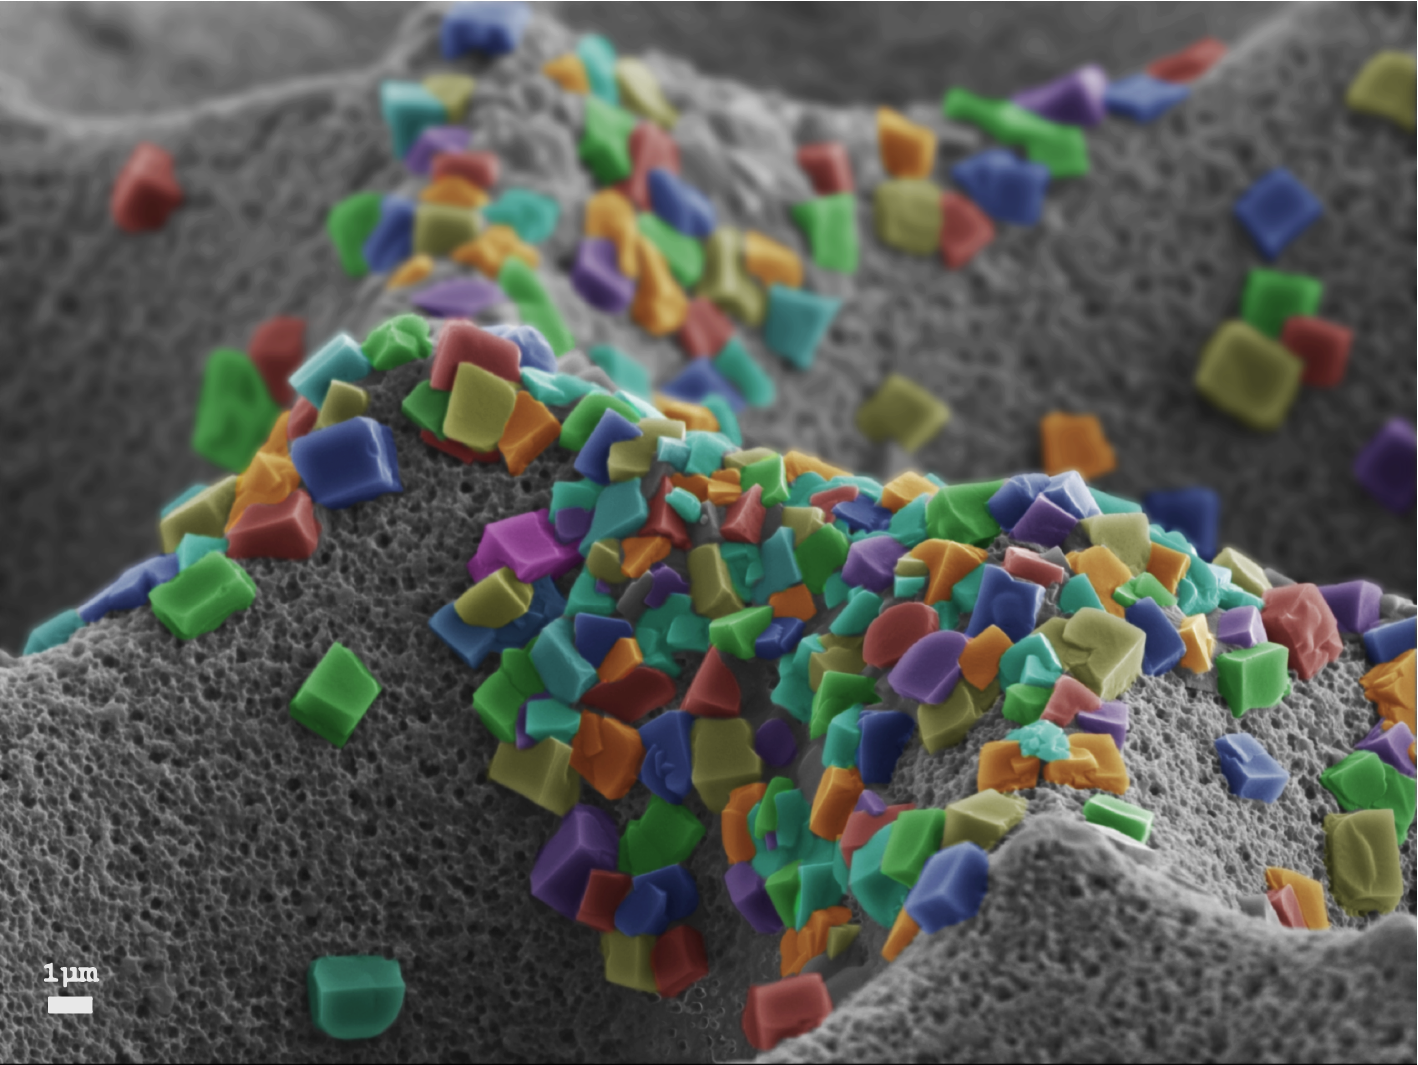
(114, 58)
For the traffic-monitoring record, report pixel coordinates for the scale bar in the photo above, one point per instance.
(71, 1004)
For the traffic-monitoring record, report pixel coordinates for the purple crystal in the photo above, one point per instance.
(1075, 99)
(604, 587)
(597, 277)
(527, 545)
(774, 742)
(1241, 626)
(572, 524)
(1110, 718)
(524, 741)
(458, 297)
(751, 898)
(1391, 745)
(1386, 466)
(431, 142)
(871, 563)
(770, 840)
(929, 670)
(1044, 523)
(666, 582)
(1354, 604)
(870, 803)
(586, 839)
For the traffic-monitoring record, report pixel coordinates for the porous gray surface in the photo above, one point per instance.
(1103, 307)
(106, 332)
(115, 58)
(163, 819)
(121, 58)
(1172, 764)
(901, 53)
(1081, 954)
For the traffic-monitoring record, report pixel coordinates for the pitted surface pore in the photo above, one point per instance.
(1080, 954)
(1103, 307)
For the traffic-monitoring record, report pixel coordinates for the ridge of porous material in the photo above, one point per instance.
(165, 821)
(262, 169)
(993, 50)
(1081, 953)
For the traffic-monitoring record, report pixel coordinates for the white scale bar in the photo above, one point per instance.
(71, 1004)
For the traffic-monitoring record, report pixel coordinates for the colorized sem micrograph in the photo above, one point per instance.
(603, 532)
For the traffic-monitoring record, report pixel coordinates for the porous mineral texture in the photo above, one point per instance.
(1103, 307)
(164, 820)
(897, 53)
(121, 58)
(116, 58)
(1082, 954)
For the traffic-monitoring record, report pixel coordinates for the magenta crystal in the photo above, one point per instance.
(527, 545)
